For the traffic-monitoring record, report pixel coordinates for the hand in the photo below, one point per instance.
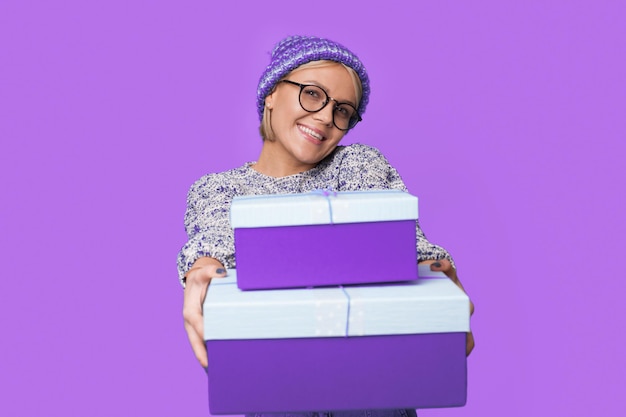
(446, 267)
(197, 284)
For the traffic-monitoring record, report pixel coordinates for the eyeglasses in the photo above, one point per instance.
(313, 99)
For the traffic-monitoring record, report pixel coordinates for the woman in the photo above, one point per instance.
(311, 94)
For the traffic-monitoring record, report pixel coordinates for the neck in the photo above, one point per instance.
(273, 164)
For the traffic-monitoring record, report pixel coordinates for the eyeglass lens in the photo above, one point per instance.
(313, 98)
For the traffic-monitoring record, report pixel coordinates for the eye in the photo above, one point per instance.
(344, 111)
(312, 92)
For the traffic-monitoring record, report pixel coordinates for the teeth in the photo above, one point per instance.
(311, 132)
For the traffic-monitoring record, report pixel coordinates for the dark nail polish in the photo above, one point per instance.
(206, 369)
(437, 264)
(220, 270)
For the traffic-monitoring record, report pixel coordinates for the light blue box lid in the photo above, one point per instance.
(230, 313)
(431, 305)
(322, 207)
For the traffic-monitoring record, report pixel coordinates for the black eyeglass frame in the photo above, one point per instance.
(328, 100)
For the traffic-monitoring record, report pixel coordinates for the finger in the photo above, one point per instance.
(220, 273)
(197, 344)
(198, 280)
(446, 267)
(470, 343)
(204, 273)
(192, 314)
(442, 265)
(214, 271)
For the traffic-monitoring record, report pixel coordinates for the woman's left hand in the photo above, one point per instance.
(446, 267)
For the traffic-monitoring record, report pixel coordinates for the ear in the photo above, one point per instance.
(269, 100)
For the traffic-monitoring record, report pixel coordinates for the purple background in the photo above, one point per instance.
(505, 118)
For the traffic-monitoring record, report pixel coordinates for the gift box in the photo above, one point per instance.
(389, 346)
(324, 238)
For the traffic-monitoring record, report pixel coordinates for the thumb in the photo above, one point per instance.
(221, 272)
(446, 267)
(442, 265)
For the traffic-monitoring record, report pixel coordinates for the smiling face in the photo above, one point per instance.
(299, 139)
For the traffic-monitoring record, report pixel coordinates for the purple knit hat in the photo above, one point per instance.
(294, 51)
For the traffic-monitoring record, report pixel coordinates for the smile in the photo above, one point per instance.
(311, 132)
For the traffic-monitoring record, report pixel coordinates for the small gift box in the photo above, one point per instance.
(324, 238)
(398, 345)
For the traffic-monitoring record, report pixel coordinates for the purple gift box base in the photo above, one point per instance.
(333, 374)
(322, 255)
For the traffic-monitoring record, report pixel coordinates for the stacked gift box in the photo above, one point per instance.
(326, 312)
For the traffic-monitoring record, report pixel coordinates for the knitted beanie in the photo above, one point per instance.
(294, 51)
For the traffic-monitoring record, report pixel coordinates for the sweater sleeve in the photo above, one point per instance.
(366, 168)
(207, 224)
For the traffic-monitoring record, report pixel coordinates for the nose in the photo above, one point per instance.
(325, 115)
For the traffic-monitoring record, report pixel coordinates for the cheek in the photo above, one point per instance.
(285, 103)
(286, 114)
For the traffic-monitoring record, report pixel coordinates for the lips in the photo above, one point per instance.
(315, 134)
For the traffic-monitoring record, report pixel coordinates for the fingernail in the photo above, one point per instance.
(437, 264)
(206, 369)
(220, 270)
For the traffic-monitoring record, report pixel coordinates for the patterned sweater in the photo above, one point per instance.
(348, 168)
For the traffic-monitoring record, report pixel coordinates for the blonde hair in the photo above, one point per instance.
(265, 129)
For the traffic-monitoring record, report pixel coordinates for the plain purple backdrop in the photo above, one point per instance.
(505, 118)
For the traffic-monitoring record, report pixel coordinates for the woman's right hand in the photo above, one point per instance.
(196, 285)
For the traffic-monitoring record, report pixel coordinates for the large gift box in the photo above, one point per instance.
(398, 345)
(324, 238)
